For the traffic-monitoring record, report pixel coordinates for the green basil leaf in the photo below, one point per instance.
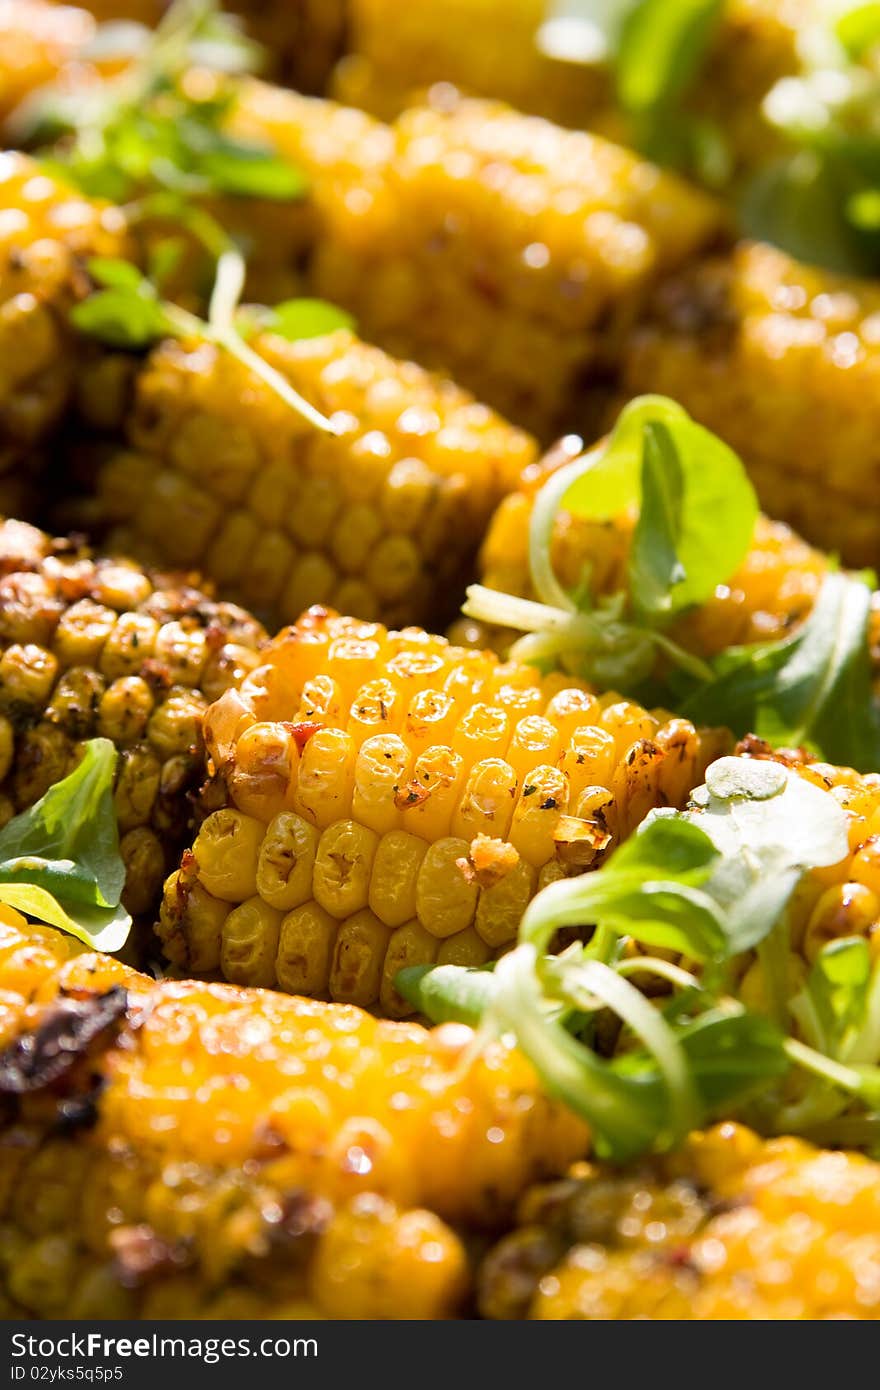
(62, 855)
(122, 318)
(247, 172)
(655, 567)
(307, 318)
(662, 44)
(814, 688)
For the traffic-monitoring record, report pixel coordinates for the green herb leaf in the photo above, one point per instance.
(121, 318)
(838, 987)
(662, 44)
(115, 274)
(60, 860)
(814, 688)
(250, 172)
(858, 29)
(447, 993)
(307, 318)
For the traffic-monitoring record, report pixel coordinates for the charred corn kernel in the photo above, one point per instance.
(305, 950)
(488, 801)
(446, 900)
(808, 339)
(359, 953)
(383, 767)
(376, 710)
(395, 872)
(94, 647)
(865, 868)
(190, 923)
(848, 909)
(509, 248)
(465, 948)
(265, 768)
(343, 867)
(305, 539)
(233, 1132)
(408, 944)
(48, 231)
(705, 1234)
(502, 904)
(227, 852)
(326, 777)
(427, 843)
(286, 861)
(249, 943)
(430, 720)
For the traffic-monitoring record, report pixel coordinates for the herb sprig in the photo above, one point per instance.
(60, 860)
(128, 312)
(696, 514)
(709, 883)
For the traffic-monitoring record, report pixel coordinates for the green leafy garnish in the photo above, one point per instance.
(813, 688)
(661, 47)
(129, 313)
(711, 883)
(60, 860)
(306, 318)
(147, 128)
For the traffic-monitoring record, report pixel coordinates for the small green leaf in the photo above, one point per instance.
(246, 172)
(115, 274)
(307, 318)
(655, 568)
(662, 44)
(447, 993)
(121, 318)
(813, 688)
(62, 855)
(838, 986)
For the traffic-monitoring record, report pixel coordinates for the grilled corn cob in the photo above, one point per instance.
(101, 647)
(489, 48)
(731, 1228)
(771, 593)
(782, 361)
(47, 232)
(393, 800)
(384, 519)
(509, 252)
(204, 1151)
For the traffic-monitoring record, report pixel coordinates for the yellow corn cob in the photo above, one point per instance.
(384, 519)
(215, 1152)
(508, 251)
(102, 648)
(731, 1228)
(47, 232)
(773, 590)
(394, 800)
(782, 361)
(488, 48)
(36, 41)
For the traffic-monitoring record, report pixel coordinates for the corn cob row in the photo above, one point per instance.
(383, 519)
(47, 232)
(730, 1228)
(102, 648)
(772, 592)
(492, 245)
(782, 361)
(488, 48)
(394, 800)
(293, 1167)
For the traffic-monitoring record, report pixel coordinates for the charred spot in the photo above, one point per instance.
(529, 789)
(549, 804)
(79, 1112)
(156, 674)
(410, 795)
(68, 1031)
(139, 1255)
(303, 731)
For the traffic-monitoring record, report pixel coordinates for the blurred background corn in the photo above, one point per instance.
(47, 233)
(301, 39)
(771, 593)
(383, 519)
(783, 361)
(508, 252)
(394, 800)
(37, 40)
(489, 48)
(213, 1152)
(730, 1228)
(103, 648)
